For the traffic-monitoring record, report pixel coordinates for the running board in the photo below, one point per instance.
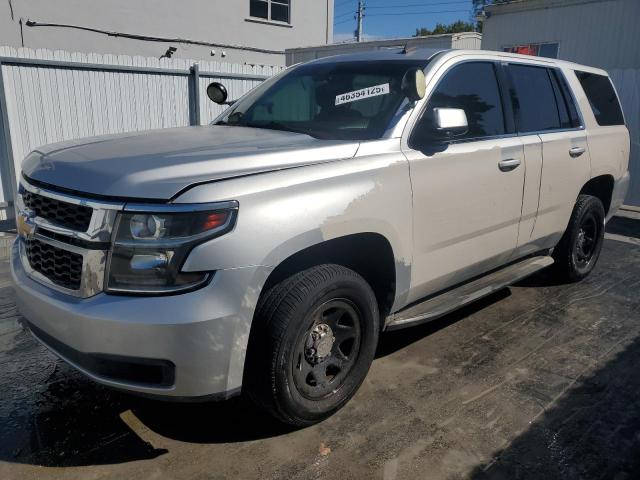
(451, 300)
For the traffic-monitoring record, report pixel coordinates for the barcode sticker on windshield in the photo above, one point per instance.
(362, 94)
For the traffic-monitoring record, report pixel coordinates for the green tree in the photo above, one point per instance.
(439, 29)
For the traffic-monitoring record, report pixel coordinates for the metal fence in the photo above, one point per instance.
(48, 97)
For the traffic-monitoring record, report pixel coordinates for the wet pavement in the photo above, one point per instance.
(539, 381)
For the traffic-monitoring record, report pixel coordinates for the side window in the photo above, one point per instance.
(277, 10)
(563, 109)
(472, 87)
(574, 117)
(535, 101)
(602, 98)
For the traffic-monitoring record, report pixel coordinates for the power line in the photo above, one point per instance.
(344, 21)
(338, 5)
(342, 15)
(420, 4)
(416, 13)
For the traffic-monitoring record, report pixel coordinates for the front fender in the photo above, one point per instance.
(284, 212)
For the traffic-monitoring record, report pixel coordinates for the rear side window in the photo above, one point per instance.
(602, 98)
(572, 110)
(535, 100)
(472, 87)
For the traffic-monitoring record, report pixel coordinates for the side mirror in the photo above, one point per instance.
(450, 122)
(217, 93)
(414, 84)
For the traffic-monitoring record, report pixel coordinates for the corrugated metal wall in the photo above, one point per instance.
(627, 82)
(467, 41)
(46, 103)
(600, 33)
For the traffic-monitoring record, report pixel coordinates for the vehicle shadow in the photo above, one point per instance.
(59, 418)
(629, 227)
(592, 431)
(395, 340)
(51, 415)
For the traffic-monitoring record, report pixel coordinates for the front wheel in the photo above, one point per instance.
(314, 341)
(579, 249)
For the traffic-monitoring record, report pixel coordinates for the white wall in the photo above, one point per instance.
(47, 104)
(214, 21)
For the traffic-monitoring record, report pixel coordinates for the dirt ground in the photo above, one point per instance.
(539, 381)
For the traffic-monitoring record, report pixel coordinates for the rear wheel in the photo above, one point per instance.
(313, 343)
(579, 249)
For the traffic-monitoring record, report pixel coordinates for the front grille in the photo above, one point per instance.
(69, 215)
(61, 267)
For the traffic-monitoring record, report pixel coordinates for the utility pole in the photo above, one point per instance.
(359, 17)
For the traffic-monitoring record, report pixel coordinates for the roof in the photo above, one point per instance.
(525, 5)
(506, 56)
(427, 54)
(398, 54)
(390, 42)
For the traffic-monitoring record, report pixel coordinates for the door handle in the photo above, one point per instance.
(509, 164)
(576, 151)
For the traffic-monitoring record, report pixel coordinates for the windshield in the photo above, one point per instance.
(341, 101)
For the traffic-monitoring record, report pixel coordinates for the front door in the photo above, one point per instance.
(468, 189)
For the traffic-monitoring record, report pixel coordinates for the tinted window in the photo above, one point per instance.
(574, 118)
(534, 102)
(549, 50)
(259, 8)
(280, 10)
(472, 87)
(563, 109)
(602, 98)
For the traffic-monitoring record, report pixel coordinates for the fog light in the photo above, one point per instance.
(150, 261)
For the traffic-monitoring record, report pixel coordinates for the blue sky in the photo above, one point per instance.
(397, 18)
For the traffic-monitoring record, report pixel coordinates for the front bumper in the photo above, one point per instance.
(201, 336)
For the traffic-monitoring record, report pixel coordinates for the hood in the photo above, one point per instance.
(158, 164)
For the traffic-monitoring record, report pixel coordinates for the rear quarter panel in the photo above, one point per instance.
(609, 146)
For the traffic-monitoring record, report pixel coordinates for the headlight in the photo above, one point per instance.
(151, 244)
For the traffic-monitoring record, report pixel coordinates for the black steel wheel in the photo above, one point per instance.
(312, 343)
(579, 249)
(587, 239)
(326, 353)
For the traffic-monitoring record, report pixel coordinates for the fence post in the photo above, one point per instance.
(195, 97)
(7, 167)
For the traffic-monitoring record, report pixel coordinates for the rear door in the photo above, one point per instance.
(546, 115)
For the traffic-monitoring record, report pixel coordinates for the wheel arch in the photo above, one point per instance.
(600, 187)
(369, 254)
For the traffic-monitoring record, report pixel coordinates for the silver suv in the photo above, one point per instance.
(344, 197)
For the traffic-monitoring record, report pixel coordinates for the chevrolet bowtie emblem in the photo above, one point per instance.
(24, 225)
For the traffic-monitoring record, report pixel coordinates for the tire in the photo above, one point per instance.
(579, 249)
(294, 370)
